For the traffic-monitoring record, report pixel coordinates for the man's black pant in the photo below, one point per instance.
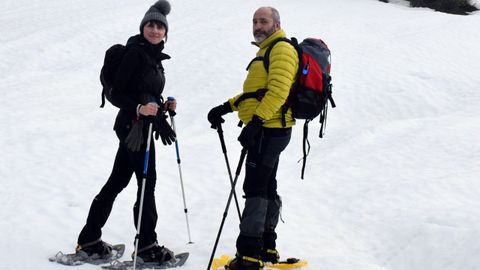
(126, 163)
(262, 205)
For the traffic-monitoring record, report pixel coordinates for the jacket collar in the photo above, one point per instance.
(278, 34)
(152, 50)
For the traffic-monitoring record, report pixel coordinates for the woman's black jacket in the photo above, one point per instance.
(140, 79)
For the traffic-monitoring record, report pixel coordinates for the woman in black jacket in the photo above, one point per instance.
(137, 92)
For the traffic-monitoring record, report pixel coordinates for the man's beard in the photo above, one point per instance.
(260, 36)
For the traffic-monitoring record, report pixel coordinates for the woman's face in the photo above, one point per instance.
(154, 32)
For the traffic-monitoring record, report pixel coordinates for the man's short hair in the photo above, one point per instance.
(275, 15)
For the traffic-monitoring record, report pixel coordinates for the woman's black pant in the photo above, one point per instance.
(126, 163)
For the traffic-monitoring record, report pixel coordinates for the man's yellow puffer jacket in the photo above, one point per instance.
(278, 81)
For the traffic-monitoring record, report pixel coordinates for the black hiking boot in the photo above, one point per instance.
(244, 263)
(98, 248)
(270, 255)
(155, 253)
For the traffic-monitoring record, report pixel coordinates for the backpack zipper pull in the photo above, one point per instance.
(305, 69)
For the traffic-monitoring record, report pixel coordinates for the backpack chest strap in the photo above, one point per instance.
(258, 95)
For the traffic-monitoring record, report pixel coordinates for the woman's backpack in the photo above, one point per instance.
(111, 62)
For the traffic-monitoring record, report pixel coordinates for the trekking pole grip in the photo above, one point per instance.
(171, 112)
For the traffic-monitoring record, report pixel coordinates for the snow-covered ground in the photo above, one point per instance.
(393, 185)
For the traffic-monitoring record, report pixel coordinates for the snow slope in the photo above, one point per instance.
(393, 185)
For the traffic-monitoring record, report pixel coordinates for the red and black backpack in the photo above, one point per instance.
(312, 89)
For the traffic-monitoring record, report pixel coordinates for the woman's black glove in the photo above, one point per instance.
(250, 131)
(215, 114)
(134, 139)
(163, 129)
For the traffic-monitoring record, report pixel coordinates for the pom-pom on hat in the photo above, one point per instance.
(157, 12)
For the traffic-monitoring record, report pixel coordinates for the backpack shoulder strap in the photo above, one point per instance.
(258, 58)
(260, 93)
(266, 57)
(266, 63)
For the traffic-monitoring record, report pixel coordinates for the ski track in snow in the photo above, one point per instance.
(392, 186)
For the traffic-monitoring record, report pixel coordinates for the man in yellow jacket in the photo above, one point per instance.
(266, 134)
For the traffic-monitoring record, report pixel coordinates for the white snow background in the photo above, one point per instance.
(393, 185)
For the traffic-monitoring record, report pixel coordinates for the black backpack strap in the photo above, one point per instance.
(258, 58)
(103, 89)
(243, 97)
(328, 97)
(259, 94)
(323, 121)
(266, 56)
(103, 99)
(327, 79)
(306, 143)
(284, 112)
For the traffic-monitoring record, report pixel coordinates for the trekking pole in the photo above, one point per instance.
(224, 150)
(145, 168)
(237, 173)
(172, 114)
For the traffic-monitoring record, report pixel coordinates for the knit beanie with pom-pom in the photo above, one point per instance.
(157, 12)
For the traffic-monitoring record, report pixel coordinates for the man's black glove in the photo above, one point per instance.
(163, 129)
(250, 131)
(215, 114)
